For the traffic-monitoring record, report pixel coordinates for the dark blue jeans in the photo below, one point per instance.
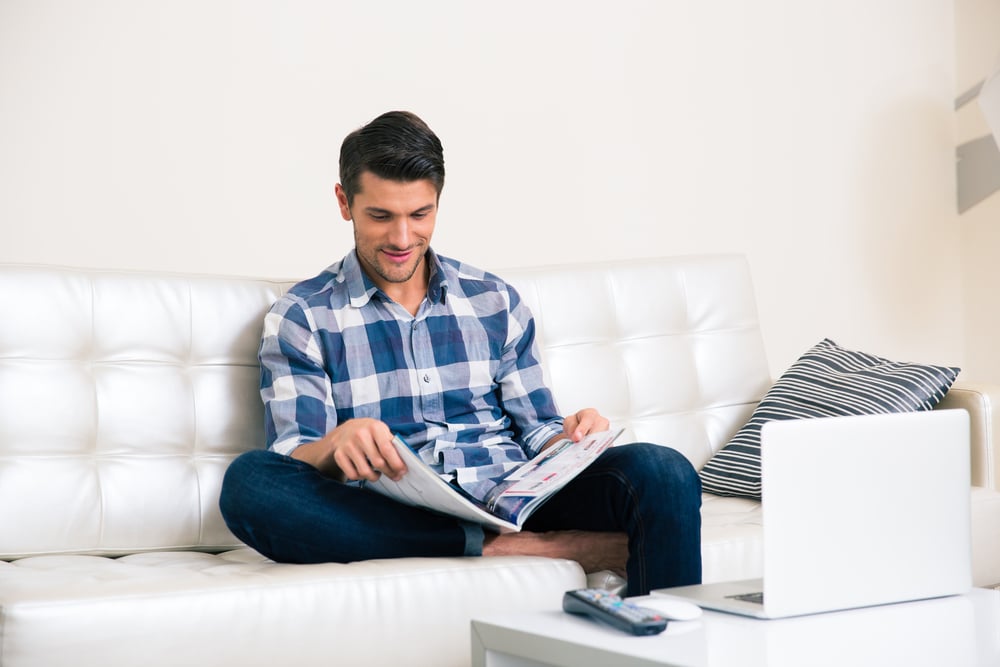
(289, 512)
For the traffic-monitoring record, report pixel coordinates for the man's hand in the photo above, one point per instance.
(583, 423)
(579, 425)
(357, 449)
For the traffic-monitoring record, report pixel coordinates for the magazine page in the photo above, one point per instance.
(526, 488)
(423, 487)
(512, 501)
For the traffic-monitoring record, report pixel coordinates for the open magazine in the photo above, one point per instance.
(512, 501)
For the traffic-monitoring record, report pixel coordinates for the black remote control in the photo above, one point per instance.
(613, 610)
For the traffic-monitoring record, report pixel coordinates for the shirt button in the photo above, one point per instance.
(427, 378)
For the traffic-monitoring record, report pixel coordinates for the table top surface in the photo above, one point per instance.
(958, 630)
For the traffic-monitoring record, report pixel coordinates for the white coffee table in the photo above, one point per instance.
(956, 631)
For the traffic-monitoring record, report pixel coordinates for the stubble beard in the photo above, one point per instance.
(395, 273)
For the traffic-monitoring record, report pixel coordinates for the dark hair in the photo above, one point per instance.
(397, 146)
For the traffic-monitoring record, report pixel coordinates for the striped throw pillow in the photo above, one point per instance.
(826, 381)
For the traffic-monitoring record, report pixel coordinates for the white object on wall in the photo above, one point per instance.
(978, 160)
(989, 102)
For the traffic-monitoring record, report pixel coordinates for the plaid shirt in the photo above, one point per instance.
(460, 381)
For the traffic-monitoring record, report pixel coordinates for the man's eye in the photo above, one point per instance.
(381, 217)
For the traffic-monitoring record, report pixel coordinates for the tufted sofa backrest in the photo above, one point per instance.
(668, 348)
(124, 395)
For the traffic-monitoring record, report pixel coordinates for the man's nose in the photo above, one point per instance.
(399, 234)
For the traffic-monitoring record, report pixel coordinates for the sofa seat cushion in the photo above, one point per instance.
(188, 608)
(731, 538)
(985, 536)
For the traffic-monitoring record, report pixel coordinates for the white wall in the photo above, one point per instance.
(815, 137)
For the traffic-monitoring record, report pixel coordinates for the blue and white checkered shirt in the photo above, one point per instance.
(460, 381)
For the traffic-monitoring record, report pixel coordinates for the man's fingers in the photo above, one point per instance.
(380, 457)
(391, 463)
(346, 465)
(359, 459)
(585, 422)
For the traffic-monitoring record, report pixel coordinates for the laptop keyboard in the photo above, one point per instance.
(753, 598)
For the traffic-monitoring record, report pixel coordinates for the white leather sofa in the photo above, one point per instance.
(123, 397)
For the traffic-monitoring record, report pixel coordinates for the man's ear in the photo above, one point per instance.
(345, 209)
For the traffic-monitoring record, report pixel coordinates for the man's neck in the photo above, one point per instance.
(410, 294)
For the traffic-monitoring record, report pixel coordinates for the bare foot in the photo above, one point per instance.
(594, 551)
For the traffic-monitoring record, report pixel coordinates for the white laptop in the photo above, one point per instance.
(857, 511)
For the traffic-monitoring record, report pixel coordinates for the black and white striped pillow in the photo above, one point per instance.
(826, 381)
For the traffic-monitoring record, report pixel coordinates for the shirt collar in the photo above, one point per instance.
(437, 287)
(361, 289)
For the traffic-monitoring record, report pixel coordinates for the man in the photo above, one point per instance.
(397, 339)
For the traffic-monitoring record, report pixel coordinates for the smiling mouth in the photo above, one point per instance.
(398, 256)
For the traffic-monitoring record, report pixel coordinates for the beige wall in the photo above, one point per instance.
(977, 54)
(815, 137)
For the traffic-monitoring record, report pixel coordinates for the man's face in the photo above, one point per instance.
(393, 224)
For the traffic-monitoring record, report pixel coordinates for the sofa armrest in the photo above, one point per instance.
(982, 401)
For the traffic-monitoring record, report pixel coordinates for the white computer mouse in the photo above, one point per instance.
(672, 609)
